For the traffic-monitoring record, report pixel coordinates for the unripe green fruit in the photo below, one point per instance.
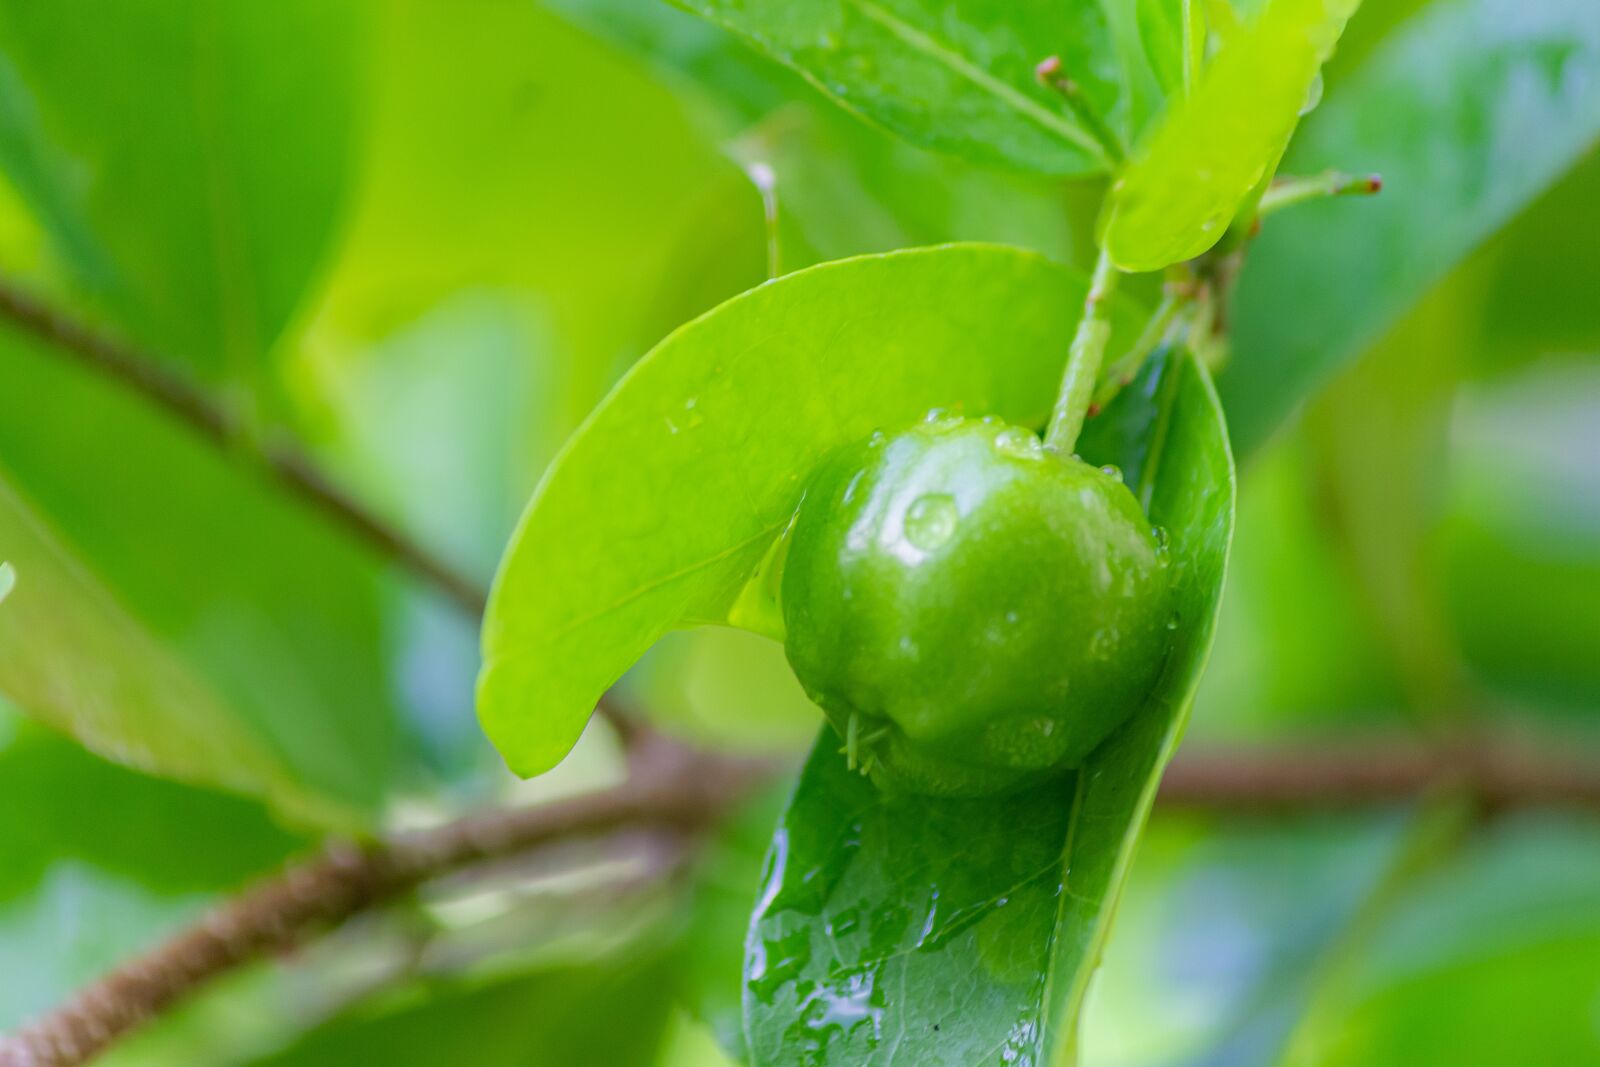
(986, 611)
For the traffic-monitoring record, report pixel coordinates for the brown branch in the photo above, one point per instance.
(1495, 772)
(279, 461)
(676, 791)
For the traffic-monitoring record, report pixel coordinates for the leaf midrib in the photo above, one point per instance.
(958, 64)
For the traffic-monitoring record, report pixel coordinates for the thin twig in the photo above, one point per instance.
(681, 792)
(191, 405)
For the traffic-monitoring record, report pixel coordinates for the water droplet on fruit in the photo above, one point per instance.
(877, 439)
(1173, 621)
(1017, 442)
(1163, 539)
(930, 520)
(1313, 95)
(936, 415)
(1111, 470)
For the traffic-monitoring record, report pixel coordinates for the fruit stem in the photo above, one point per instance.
(1083, 359)
(1121, 373)
(1287, 192)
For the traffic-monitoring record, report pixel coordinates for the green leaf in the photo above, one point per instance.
(467, 223)
(662, 504)
(1519, 543)
(907, 930)
(99, 862)
(1181, 192)
(1489, 959)
(174, 612)
(957, 77)
(607, 1013)
(188, 159)
(1469, 111)
(1173, 33)
(1280, 894)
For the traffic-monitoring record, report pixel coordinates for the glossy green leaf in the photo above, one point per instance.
(1179, 194)
(188, 159)
(951, 76)
(1469, 111)
(97, 862)
(173, 611)
(907, 930)
(662, 504)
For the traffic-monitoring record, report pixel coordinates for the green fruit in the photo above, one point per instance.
(971, 610)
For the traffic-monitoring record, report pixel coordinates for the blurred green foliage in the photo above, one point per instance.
(426, 238)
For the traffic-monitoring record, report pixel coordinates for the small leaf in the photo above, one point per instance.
(1470, 111)
(664, 501)
(908, 930)
(955, 77)
(1181, 192)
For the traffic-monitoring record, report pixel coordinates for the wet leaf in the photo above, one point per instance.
(906, 930)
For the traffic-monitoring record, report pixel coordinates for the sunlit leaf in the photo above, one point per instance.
(664, 501)
(907, 930)
(952, 76)
(1182, 190)
(1469, 111)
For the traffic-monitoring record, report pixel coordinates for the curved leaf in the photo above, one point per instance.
(949, 74)
(913, 931)
(1470, 111)
(188, 159)
(662, 504)
(1179, 195)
